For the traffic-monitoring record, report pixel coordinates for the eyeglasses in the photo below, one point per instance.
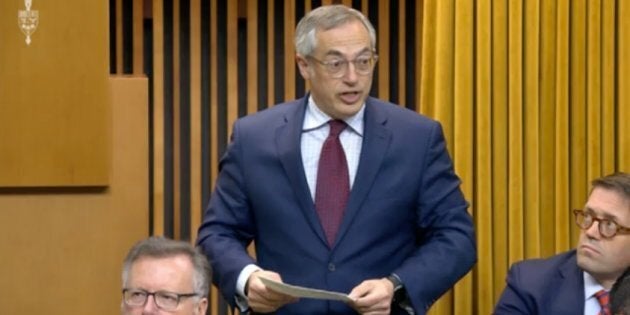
(338, 67)
(164, 300)
(607, 228)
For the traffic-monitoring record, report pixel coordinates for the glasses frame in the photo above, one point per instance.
(620, 229)
(345, 65)
(179, 296)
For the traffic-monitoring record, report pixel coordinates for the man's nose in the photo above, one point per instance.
(350, 75)
(150, 308)
(593, 230)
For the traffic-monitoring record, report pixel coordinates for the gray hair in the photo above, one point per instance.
(619, 182)
(325, 18)
(161, 247)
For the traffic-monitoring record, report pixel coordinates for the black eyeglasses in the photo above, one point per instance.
(164, 300)
(338, 67)
(607, 228)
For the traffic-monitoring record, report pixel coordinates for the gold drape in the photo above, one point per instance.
(534, 99)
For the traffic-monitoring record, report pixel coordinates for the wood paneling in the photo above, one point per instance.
(54, 99)
(64, 247)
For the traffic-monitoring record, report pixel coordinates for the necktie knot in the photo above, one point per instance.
(603, 299)
(336, 127)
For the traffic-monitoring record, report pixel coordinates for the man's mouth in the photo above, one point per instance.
(589, 248)
(350, 97)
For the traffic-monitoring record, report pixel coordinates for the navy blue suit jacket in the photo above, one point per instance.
(544, 286)
(406, 213)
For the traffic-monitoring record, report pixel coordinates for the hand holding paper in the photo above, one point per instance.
(303, 292)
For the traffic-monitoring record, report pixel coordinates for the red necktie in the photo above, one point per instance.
(602, 298)
(333, 184)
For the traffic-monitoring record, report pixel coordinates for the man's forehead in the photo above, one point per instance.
(342, 45)
(336, 53)
(609, 203)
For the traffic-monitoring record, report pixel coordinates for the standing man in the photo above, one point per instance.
(578, 281)
(339, 191)
(163, 276)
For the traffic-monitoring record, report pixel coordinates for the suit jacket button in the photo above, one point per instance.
(331, 267)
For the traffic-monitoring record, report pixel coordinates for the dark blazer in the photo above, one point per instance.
(544, 286)
(406, 213)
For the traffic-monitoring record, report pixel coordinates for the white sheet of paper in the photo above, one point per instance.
(303, 292)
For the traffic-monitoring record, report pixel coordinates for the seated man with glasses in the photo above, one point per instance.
(163, 276)
(578, 281)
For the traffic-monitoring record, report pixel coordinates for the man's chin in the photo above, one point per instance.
(587, 262)
(348, 110)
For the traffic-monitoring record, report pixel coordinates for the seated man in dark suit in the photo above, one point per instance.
(578, 281)
(620, 295)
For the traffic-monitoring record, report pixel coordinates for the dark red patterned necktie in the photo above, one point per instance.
(333, 183)
(602, 298)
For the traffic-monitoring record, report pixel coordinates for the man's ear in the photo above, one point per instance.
(203, 306)
(304, 66)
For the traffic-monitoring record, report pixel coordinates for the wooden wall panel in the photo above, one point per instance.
(54, 99)
(270, 52)
(157, 133)
(252, 59)
(138, 37)
(622, 158)
(64, 247)
(383, 44)
(119, 35)
(195, 111)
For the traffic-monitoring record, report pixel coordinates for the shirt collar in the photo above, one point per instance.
(315, 118)
(591, 286)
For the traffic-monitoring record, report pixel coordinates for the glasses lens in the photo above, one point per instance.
(135, 297)
(167, 301)
(607, 228)
(335, 66)
(363, 65)
(583, 220)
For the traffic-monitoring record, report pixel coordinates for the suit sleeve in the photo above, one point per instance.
(514, 299)
(446, 248)
(227, 228)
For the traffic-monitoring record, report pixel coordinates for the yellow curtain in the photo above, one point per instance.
(534, 98)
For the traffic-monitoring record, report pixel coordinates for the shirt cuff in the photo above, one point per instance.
(243, 277)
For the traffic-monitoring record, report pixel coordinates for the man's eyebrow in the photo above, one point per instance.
(337, 53)
(605, 214)
(333, 53)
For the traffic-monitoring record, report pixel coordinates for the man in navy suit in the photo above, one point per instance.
(572, 282)
(404, 236)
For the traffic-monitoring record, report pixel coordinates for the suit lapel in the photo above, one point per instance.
(376, 139)
(570, 289)
(288, 137)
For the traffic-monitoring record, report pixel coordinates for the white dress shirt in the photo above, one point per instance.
(591, 286)
(315, 131)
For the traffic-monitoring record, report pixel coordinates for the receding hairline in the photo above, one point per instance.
(325, 18)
